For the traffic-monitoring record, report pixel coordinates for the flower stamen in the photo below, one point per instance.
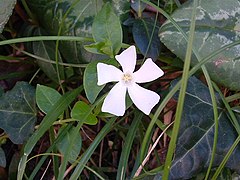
(127, 78)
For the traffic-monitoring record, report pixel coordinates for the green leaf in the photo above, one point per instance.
(148, 44)
(99, 48)
(64, 144)
(6, 8)
(90, 82)
(138, 6)
(121, 8)
(46, 123)
(46, 97)
(2, 158)
(13, 167)
(196, 134)
(107, 28)
(91, 149)
(18, 112)
(77, 22)
(90, 79)
(217, 24)
(46, 49)
(79, 111)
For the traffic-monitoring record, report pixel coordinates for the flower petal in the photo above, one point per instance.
(127, 59)
(114, 103)
(108, 73)
(143, 98)
(148, 72)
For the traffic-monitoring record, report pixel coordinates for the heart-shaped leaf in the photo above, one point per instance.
(2, 158)
(217, 24)
(46, 97)
(196, 134)
(18, 112)
(6, 7)
(80, 110)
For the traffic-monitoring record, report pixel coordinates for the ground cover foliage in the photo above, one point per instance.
(51, 121)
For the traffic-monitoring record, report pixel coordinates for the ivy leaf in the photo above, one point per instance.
(2, 158)
(217, 24)
(18, 112)
(6, 8)
(196, 135)
(79, 112)
(46, 97)
(107, 28)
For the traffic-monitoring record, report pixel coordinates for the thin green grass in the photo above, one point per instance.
(182, 93)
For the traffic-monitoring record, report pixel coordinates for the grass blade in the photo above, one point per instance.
(48, 120)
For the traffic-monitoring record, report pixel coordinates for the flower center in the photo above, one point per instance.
(127, 78)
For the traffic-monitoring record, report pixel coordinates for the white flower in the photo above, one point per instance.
(144, 99)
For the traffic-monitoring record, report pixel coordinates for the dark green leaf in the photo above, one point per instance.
(142, 34)
(121, 8)
(46, 49)
(13, 167)
(78, 20)
(90, 80)
(64, 144)
(107, 28)
(18, 112)
(79, 112)
(47, 122)
(6, 7)
(138, 6)
(46, 97)
(196, 134)
(217, 24)
(2, 158)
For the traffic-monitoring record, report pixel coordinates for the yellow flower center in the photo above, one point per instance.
(127, 78)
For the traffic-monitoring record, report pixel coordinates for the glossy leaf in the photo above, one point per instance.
(217, 24)
(46, 97)
(18, 112)
(107, 28)
(79, 112)
(90, 80)
(78, 22)
(2, 158)
(64, 144)
(6, 8)
(142, 32)
(138, 6)
(196, 134)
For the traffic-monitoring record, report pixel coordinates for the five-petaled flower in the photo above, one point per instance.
(128, 80)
